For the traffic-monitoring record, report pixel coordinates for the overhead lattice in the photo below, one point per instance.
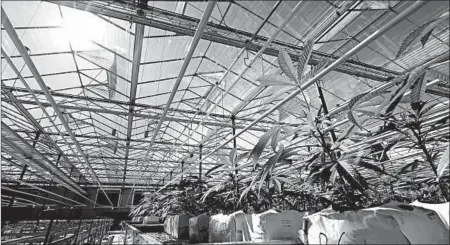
(111, 69)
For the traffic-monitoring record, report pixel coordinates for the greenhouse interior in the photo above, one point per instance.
(234, 122)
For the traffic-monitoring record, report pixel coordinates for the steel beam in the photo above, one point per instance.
(195, 40)
(22, 50)
(185, 25)
(123, 139)
(15, 145)
(137, 51)
(33, 121)
(239, 120)
(414, 7)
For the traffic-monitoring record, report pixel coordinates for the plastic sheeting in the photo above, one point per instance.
(178, 226)
(198, 228)
(226, 228)
(393, 223)
(442, 209)
(150, 220)
(272, 225)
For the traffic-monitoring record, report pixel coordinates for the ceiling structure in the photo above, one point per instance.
(119, 94)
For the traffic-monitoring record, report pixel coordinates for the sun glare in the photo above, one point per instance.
(81, 28)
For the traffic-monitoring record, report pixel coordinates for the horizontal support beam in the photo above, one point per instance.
(124, 139)
(139, 106)
(128, 114)
(185, 25)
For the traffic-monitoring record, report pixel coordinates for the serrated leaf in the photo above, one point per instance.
(424, 39)
(348, 174)
(367, 112)
(286, 65)
(410, 39)
(334, 174)
(418, 90)
(287, 129)
(438, 75)
(310, 119)
(421, 31)
(277, 183)
(225, 160)
(412, 165)
(277, 93)
(213, 170)
(244, 166)
(259, 147)
(275, 138)
(270, 164)
(304, 58)
(282, 115)
(233, 155)
(355, 99)
(427, 108)
(347, 133)
(354, 118)
(274, 80)
(285, 180)
(443, 162)
(373, 167)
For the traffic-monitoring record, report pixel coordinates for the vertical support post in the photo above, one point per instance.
(78, 230)
(325, 108)
(182, 169)
(47, 234)
(200, 147)
(89, 232)
(92, 239)
(170, 178)
(233, 123)
(25, 167)
(125, 237)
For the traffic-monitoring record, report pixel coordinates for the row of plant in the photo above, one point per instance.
(350, 166)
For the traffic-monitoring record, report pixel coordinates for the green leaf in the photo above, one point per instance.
(348, 174)
(275, 138)
(244, 166)
(274, 80)
(315, 69)
(421, 31)
(334, 174)
(310, 119)
(277, 93)
(355, 99)
(213, 170)
(233, 156)
(438, 75)
(354, 118)
(276, 183)
(398, 94)
(282, 115)
(259, 147)
(270, 164)
(406, 167)
(427, 108)
(443, 163)
(304, 58)
(287, 129)
(347, 133)
(418, 89)
(372, 167)
(285, 62)
(424, 39)
(285, 180)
